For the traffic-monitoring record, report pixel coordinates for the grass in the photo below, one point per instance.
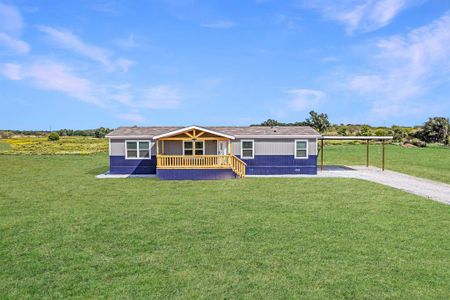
(4, 146)
(432, 162)
(66, 234)
(66, 145)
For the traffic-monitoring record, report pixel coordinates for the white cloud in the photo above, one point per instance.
(49, 75)
(366, 83)
(72, 42)
(127, 43)
(14, 44)
(292, 22)
(123, 98)
(124, 64)
(329, 59)
(11, 20)
(162, 96)
(108, 7)
(361, 15)
(406, 67)
(132, 117)
(153, 97)
(303, 99)
(12, 71)
(11, 26)
(219, 24)
(53, 76)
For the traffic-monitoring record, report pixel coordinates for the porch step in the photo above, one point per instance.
(238, 166)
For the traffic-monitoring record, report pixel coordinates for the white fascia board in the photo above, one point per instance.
(130, 137)
(331, 137)
(178, 131)
(278, 136)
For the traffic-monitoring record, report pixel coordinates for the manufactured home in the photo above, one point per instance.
(212, 152)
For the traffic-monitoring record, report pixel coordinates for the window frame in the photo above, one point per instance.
(242, 149)
(307, 149)
(137, 149)
(192, 149)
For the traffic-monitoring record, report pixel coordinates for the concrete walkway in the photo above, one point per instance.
(423, 187)
(107, 175)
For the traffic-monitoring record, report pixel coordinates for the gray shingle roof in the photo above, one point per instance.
(236, 131)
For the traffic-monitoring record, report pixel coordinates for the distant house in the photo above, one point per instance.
(195, 152)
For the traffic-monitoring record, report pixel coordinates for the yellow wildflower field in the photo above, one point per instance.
(40, 145)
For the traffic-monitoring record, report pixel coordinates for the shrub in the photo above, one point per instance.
(418, 143)
(342, 131)
(54, 136)
(435, 130)
(365, 131)
(399, 133)
(101, 132)
(381, 132)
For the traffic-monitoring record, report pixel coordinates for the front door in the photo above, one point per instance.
(222, 148)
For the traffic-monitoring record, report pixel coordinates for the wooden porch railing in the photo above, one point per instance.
(202, 162)
(238, 166)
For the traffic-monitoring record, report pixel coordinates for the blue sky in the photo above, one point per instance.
(85, 64)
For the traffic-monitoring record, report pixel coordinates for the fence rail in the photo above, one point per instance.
(202, 162)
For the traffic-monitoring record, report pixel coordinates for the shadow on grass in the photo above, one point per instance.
(99, 170)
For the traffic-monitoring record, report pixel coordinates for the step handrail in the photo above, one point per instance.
(238, 166)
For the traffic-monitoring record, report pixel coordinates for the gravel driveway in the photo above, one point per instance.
(423, 187)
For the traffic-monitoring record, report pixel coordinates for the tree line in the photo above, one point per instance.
(100, 132)
(434, 130)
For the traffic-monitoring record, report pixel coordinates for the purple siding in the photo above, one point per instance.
(260, 165)
(120, 165)
(280, 164)
(194, 174)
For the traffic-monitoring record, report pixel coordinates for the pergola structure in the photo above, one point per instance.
(356, 138)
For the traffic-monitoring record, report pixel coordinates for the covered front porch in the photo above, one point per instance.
(196, 148)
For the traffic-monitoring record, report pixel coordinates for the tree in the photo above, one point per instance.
(101, 132)
(318, 121)
(435, 130)
(365, 131)
(381, 132)
(342, 130)
(271, 122)
(54, 136)
(399, 133)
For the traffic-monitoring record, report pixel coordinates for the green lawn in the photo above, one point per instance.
(4, 146)
(432, 162)
(66, 234)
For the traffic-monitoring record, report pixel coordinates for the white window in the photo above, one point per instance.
(247, 149)
(188, 147)
(137, 149)
(301, 149)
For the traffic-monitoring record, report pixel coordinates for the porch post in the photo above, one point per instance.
(157, 147)
(367, 153)
(230, 149)
(193, 147)
(162, 148)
